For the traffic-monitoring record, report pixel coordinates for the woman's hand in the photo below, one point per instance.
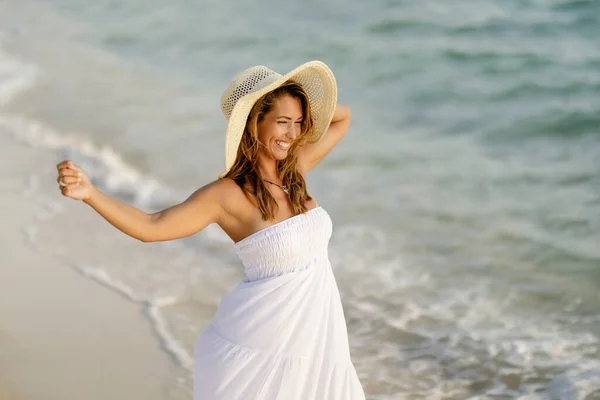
(73, 182)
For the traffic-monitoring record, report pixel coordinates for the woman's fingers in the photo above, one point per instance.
(65, 180)
(73, 167)
(65, 190)
(68, 172)
(67, 165)
(71, 185)
(63, 164)
(66, 176)
(67, 168)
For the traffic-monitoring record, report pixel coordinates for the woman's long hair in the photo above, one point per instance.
(245, 171)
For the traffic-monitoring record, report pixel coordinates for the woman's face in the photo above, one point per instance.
(281, 126)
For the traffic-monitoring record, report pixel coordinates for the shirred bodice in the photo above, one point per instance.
(293, 244)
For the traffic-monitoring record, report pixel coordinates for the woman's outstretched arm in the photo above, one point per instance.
(198, 211)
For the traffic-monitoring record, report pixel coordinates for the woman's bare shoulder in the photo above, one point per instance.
(238, 211)
(218, 193)
(226, 187)
(233, 199)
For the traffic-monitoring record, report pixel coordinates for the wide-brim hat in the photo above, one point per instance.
(239, 97)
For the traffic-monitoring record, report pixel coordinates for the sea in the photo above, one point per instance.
(465, 197)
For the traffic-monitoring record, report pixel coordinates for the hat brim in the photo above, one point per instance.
(318, 82)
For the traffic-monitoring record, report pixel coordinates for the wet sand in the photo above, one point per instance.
(63, 336)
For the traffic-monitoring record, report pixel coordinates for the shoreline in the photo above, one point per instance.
(62, 335)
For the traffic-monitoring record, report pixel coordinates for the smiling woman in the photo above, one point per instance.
(281, 333)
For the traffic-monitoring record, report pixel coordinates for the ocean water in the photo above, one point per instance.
(465, 198)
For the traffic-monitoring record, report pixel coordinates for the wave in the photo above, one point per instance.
(585, 6)
(104, 165)
(554, 123)
(527, 90)
(152, 309)
(466, 333)
(15, 77)
(391, 26)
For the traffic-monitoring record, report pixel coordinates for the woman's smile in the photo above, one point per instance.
(283, 145)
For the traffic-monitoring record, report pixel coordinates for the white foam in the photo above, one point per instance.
(100, 276)
(15, 77)
(104, 165)
(463, 319)
(171, 345)
(152, 309)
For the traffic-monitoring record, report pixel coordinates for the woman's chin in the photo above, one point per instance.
(279, 154)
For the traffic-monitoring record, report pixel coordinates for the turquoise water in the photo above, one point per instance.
(465, 198)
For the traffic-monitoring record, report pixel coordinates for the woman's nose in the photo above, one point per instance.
(291, 132)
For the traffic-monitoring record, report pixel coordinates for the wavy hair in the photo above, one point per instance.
(245, 171)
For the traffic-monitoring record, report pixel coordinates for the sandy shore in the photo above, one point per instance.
(63, 336)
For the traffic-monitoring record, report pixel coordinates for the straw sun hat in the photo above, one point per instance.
(239, 97)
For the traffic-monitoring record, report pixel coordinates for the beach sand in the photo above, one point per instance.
(63, 336)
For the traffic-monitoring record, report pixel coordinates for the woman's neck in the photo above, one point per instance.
(268, 168)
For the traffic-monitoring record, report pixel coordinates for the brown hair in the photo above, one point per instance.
(245, 171)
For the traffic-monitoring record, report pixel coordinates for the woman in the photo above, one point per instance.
(281, 333)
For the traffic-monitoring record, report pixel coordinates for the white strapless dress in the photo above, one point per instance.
(281, 333)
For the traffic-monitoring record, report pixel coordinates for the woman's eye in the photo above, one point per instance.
(282, 123)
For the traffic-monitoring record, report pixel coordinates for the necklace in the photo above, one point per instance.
(285, 190)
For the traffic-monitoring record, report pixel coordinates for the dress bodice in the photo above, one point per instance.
(290, 245)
